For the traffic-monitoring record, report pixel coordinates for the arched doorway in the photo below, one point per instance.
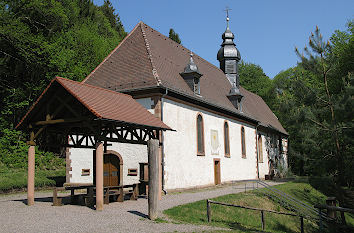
(112, 169)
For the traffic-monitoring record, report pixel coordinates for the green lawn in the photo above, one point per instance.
(16, 179)
(241, 220)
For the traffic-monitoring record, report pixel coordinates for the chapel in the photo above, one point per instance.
(220, 131)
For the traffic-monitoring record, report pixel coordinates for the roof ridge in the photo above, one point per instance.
(110, 54)
(147, 46)
(92, 86)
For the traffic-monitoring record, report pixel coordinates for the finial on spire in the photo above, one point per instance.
(227, 9)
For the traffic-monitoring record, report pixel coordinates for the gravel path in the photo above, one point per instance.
(129, 216)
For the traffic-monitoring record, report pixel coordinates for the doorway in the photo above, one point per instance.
(112, 170)
(217, 175)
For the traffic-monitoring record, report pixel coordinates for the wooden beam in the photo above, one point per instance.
(58, 121)
(153, 161)
(68, 107)
(122, 140)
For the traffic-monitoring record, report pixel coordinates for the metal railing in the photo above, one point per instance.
(262, 211)
(291, 203)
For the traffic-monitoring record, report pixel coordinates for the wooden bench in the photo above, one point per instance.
(57, 201)
(117, 192)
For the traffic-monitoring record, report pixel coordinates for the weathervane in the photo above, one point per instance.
(227, 9)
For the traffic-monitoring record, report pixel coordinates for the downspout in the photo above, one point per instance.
(162, 146)
(257, 150)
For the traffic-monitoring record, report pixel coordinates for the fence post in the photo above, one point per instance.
(245, 187)
(302, 224)
(208, 211)
(262, 219)
(343, 218)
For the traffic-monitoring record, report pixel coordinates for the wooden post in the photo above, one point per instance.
(320, 223)
(262, 219)
(99, 176)
(245, 187)
(30, 176)
(153, 196)
(302, 224)
(208, 211)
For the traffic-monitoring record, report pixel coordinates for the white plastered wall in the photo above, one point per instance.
(183, 168)
(132, 155)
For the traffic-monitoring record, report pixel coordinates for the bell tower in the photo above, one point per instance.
(229, 56)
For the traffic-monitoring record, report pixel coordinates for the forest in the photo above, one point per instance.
(42, 39)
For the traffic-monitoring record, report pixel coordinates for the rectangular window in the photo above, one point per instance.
(85, 172)
(132, 172)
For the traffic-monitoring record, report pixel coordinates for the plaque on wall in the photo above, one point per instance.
(214, 142)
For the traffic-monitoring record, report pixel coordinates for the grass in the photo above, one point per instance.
(160, 220)
(241, 220)
(16, 179)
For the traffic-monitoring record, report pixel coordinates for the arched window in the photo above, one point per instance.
(243, 142)
(260, 149)
(200, 135)
(226, 139)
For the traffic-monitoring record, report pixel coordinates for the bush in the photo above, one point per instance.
(13, 153)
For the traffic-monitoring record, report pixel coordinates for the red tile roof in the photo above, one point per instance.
(106, 104)
(146, 58)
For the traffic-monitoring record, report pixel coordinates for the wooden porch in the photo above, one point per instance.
(69, 114)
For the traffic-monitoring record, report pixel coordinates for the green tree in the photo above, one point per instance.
(314, 102)
(174, 36)
(113, 18)
(255, 80)
(44, 38)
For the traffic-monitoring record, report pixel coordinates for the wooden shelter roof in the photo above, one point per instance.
(102, 103)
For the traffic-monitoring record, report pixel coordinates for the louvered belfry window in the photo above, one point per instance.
(200, 135)
(226, 139)
(243, 142)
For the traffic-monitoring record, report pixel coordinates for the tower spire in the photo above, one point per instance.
(227, 9)
(229, 56)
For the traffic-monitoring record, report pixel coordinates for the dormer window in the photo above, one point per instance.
(191, 76)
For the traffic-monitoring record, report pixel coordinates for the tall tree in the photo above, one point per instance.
(113, 18)
(319, 61)
(315, 103)
(44, 38)
(174, 36)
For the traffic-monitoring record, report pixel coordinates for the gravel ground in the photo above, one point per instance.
(129, 216)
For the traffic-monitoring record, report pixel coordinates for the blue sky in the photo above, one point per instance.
(266, 31)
